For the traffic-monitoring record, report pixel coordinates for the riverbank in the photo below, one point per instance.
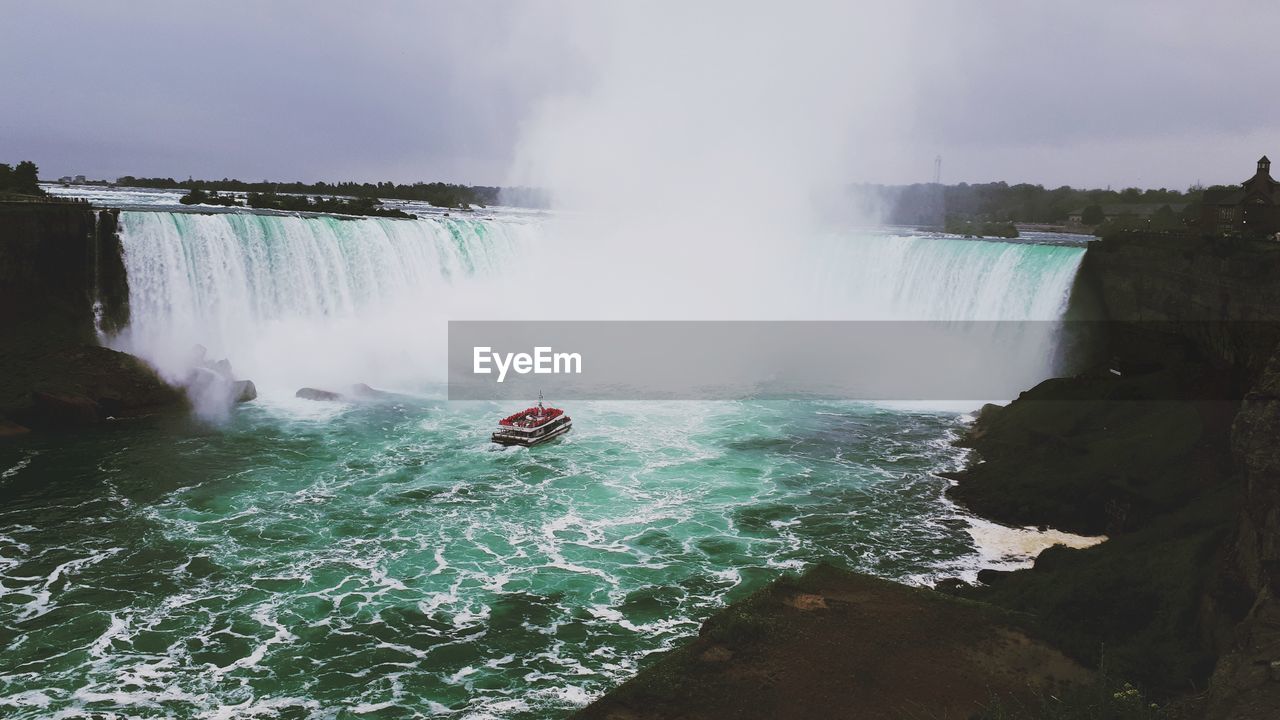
(1167, 446)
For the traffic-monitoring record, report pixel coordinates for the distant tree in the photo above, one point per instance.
(1093, 215)
(23, 179)
(195, 197)
(1164, 218)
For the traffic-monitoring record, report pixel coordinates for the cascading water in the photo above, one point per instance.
(379, 557)
(292, 301)
(905, 277)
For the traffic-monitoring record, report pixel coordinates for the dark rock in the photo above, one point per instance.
(951, 586)
(988, 576)
(111, 286)
(60, 411)
(308, 393)
(365, 392)
(1053, 557)
(80, 386)
(223, 368)
(1244, 684)
(47, 275)
(58, 262)
(244, 391)
(213, 385)
(1220, 299)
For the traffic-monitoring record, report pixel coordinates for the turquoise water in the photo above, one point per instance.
(314, 560)
(293, 559)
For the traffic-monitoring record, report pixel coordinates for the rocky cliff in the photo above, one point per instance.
(62, 281)
(1170, 447)
(1218, 297)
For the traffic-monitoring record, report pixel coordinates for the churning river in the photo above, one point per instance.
(304, 559)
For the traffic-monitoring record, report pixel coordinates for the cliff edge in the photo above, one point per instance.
(62, 281)
(1168, 447)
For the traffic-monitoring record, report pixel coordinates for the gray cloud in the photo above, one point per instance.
(1084, 93)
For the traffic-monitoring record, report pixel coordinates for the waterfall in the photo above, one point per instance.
(316, 300)
(1002, 304)
(895, 277)
(294, 301)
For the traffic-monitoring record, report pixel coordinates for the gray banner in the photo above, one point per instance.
(696, 360)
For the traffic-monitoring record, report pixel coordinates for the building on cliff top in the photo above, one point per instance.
(1254, 209)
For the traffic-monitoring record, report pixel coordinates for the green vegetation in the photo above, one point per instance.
(439, 194)
(1000, 202)
(338, 205)
(296, 203)
(1093, 215)
(1036, 204)
(200, 197)
(23, 179)
(1163, 218)
(1105, 699)
(969, 228)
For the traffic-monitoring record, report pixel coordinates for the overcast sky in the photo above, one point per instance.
(1084, 93)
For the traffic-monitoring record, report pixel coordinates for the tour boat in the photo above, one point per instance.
(532, 426)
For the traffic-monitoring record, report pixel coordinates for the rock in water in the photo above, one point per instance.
(989, 576)
(308, 393)
(222, 367)
(244, 391)
(57, 410)
(364, 392)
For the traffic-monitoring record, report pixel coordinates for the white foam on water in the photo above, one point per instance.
(1011, 548)
(40, 604)
(18, 466)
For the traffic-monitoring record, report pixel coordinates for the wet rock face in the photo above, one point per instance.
(1222, 298)
(309, 393)
(1246, 682)
(62, 410)
(244, 391)
(1220, 301)
(57, 260)
(359, 392)
(1255, 443)
(111, 280)
(215, 382)
(85, 385)
(46, 274)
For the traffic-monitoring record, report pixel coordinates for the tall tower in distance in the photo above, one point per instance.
(937, 170)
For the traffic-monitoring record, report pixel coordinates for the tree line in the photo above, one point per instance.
(439, 194)
(1000, 202)
(295, 203)
(21, 179)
